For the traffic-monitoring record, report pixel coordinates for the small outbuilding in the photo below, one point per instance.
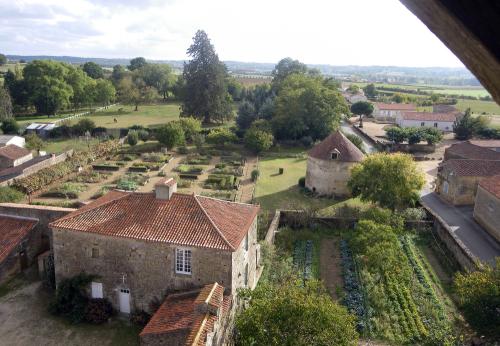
(13, 156)
(12, 139)
(329, 165)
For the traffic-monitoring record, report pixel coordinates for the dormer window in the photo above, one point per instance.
(334, 155)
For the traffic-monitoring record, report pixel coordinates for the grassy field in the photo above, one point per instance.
(438, 89)
(274, 191)
(58, 146)
(478, 106)
(147, 116)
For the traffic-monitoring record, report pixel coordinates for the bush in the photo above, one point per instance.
(10, 126)
(190, 126)
(132, 138)
(221, 136)
(258, 140)
(10, 195)
(143, 135)
(171, 135)
(198, 140)
(71, 299)
(98, 311)
(306, 141)
(183, 150)
(412, 214)
(33, 142)
(302, 182)
(255, 175)
(83, 126)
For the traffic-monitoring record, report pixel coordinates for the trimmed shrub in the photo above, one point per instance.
(302, 182)
(255, 175)
(98, 311)
(132, 138)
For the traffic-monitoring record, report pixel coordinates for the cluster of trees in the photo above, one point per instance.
(467, 126)
(51, 86)
(414, 135)
(3, 59)
(299, 104)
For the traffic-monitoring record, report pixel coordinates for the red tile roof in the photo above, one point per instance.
(347, 151)
(181, 312)
(492, 185)
(187, 220)
(12, 231)
(467, 150)
(486, 143)
(13, 152)
(428, 116)
(396, 106)
(474, 168)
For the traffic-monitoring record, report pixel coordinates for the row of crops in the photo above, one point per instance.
(304, 255)
(389, 289)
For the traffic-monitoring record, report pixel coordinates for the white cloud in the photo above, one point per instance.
(339, 32)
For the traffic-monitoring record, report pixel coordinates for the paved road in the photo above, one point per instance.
(460, 219)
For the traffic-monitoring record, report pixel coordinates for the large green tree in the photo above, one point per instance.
(3, 59)
(159, 76)
(135, 92)
(285, 68)
(171, 135)
(307, 106)
(294, 314)
(105, 92)
(467, 126)
(137, 63)
(5, 104)
(93, 70)
(119, 72)
(392, 180)
(205, 94)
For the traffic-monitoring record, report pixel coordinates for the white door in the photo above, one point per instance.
(97, 290)
(124, 297)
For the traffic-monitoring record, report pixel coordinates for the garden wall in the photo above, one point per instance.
(413, 148)
(273, 227)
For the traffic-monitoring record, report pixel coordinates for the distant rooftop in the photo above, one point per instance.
(396, 106)
(428, 116)
(347, 151)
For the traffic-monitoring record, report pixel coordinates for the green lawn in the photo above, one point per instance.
(478, 106)
(147, 116)
(58, 146)
(275, 191)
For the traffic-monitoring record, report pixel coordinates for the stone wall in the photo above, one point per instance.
(147, 269)
(487, 212)
(273, 227)
(461, 189)
(44, 214)
(242, 258)
(328, 177)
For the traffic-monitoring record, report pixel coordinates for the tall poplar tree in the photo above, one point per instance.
(205, 93)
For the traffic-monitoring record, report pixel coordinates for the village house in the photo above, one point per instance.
(440, 121)
(20, 242)
(472, 150)
(199, 317)
(12, 140)
(329, 165)
(487, 205)
(13, 156)
(388, 112)
(146, 245)
(457, 180)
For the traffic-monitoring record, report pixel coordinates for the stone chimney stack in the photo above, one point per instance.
(165, 188)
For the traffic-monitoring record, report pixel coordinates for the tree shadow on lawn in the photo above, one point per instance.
(294, 198)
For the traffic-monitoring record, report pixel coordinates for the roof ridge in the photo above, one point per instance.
(213, 223)
(229, 202)
(83, 209)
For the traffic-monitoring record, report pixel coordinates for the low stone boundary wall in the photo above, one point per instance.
(273, 227)
(53, 160)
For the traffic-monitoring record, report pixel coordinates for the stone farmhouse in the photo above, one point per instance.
(487, 205)
(146, 245)
(198, 317)
(441, 121)
(13, 156)
(12, 140)
(457, 180)
(329, 165)
(388, 112)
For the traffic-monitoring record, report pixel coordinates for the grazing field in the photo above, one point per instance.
(479, 107)
(147, 116)
(276, 190)
(438, 89)
(58, 146)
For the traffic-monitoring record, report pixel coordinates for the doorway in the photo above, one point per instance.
(124, 299)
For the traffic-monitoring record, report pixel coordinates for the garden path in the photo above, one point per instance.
(247, 186)
(330, 267)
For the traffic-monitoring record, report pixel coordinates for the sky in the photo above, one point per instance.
(335, 32)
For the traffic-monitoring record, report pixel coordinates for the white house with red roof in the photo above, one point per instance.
(146, 245)
(440, 121)
(390, 111)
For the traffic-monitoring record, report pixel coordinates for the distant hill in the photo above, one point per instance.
(390, 74)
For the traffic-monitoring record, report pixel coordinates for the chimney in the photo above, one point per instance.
(165, 188)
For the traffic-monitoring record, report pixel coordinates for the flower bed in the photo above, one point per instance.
(187, 169)
(66, 190)
(156, 157)
(131, 181)
(197, 160)
(306, 258)
(90, 177)
(221, 182)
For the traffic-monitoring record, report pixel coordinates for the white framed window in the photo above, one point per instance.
(96, 290)
(182, 261)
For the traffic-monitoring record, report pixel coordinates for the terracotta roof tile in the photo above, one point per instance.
(187, 220)
(179, 312)
(492, 185)
(486, 143)
(12, 230)
(347, 151)
(13, 152)
(450, 117)
(396, 106)
(467, 150)
(475, 168)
